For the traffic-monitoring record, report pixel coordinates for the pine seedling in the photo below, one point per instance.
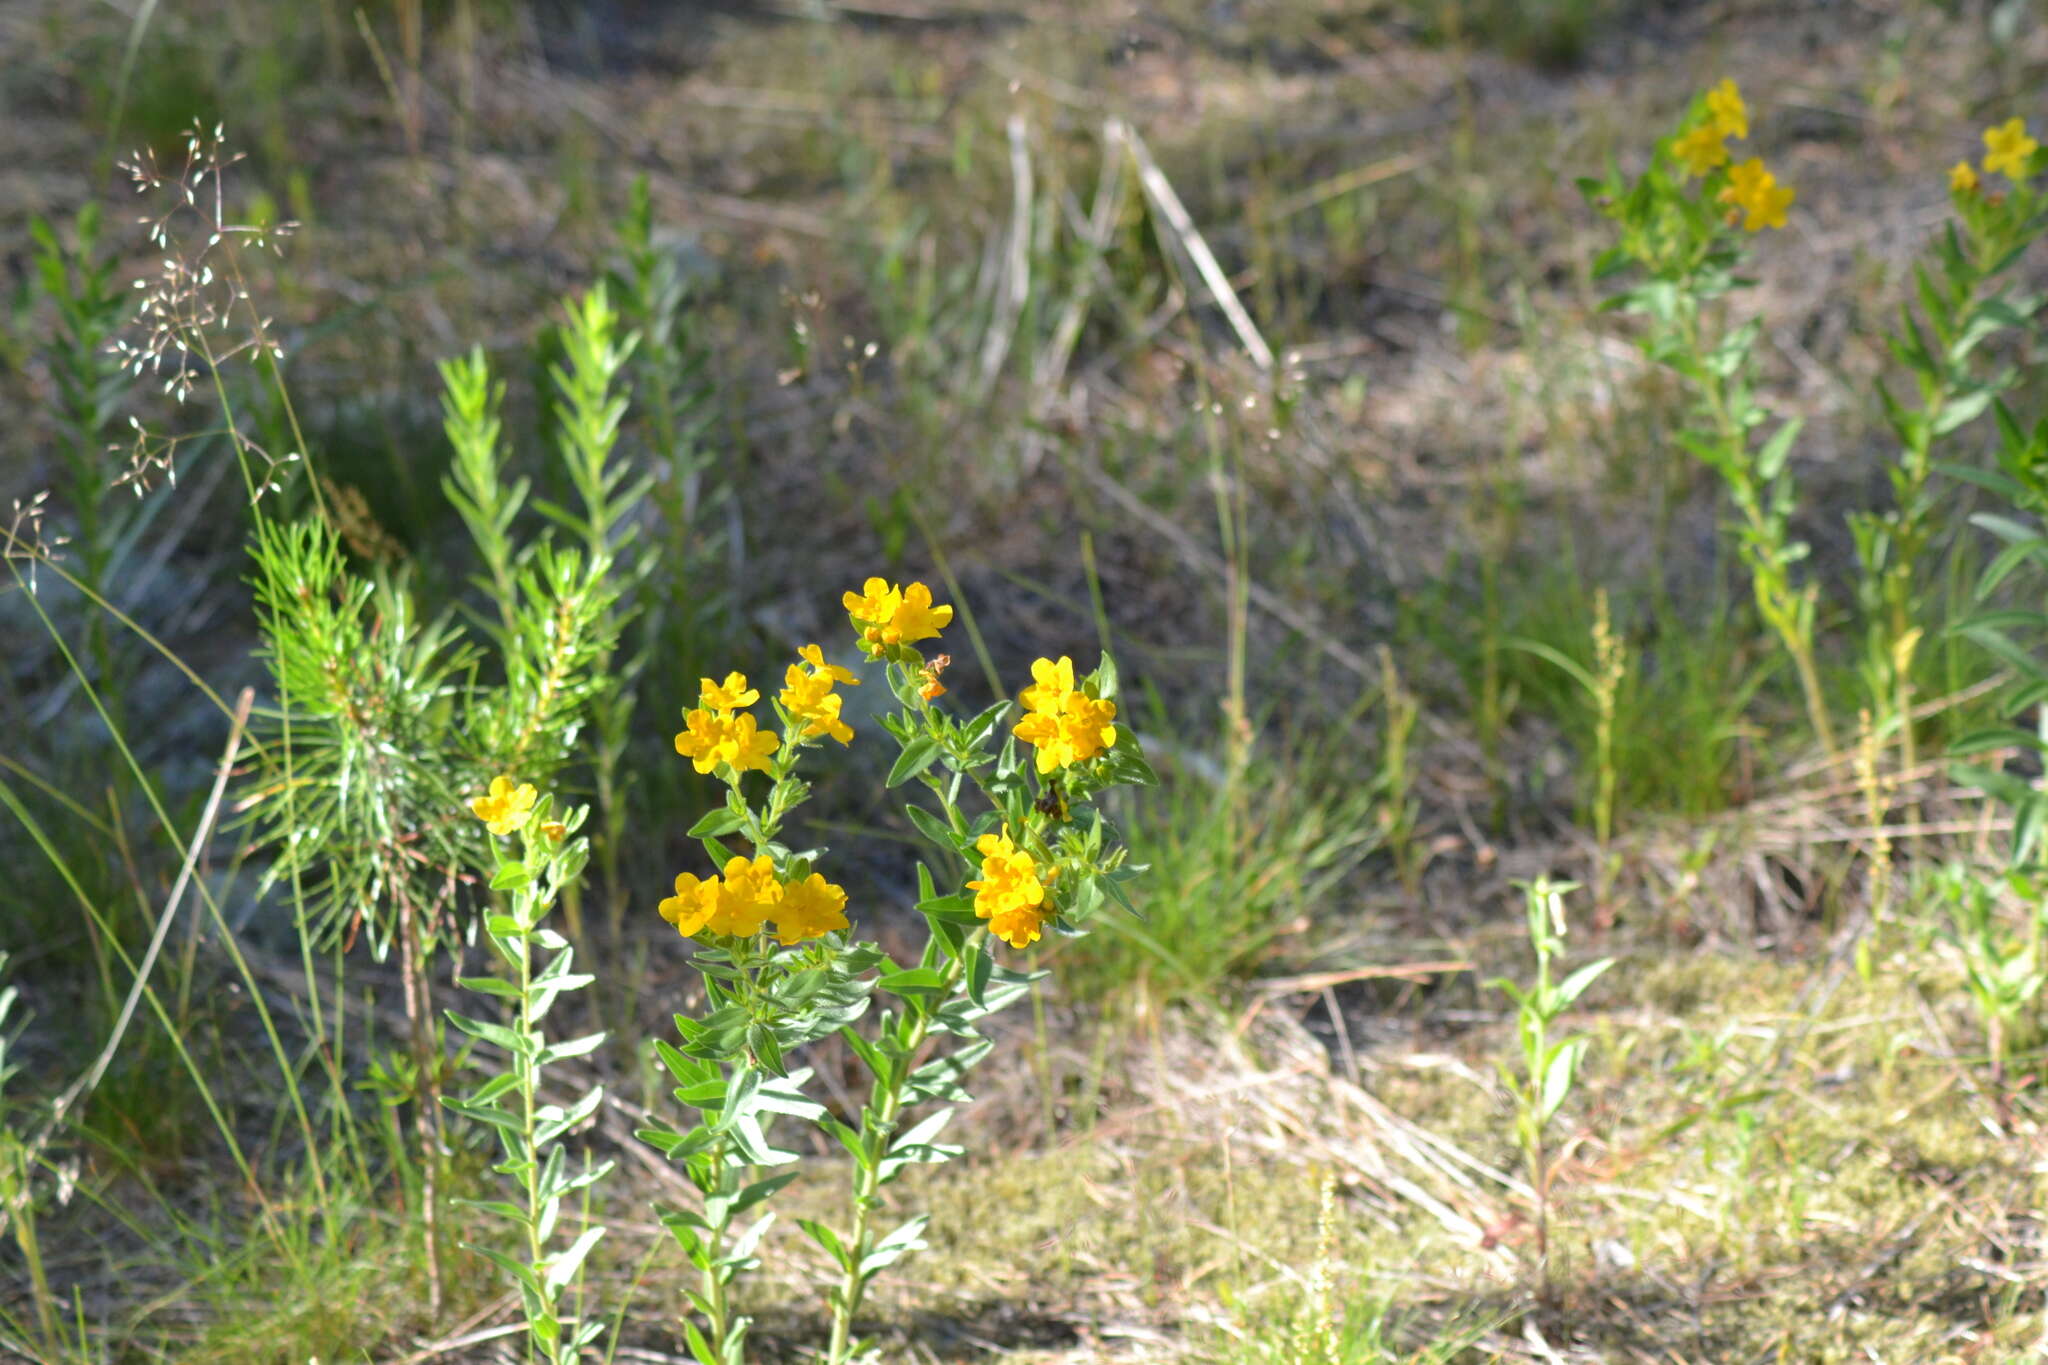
(1549, 1065)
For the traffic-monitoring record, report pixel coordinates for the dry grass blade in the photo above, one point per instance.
(90, 1078)
(1160, 191)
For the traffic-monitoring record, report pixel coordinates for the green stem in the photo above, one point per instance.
(714, 1283)
(529, 1084)
(880, 1118)
(1776, 597)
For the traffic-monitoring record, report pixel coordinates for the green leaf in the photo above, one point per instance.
(917, 755)
(717, 822)
(759, 1190)
(895, 1246)
(521, 1273)
(913, 981)
(488, 985)
(827, 1239)
(917, 1145)
(1558, 1071)
(509, 1039)
(931, 827)
(1770, 461)
(978, 964)
(508, 1211)
(1570, 988)
(513, 876)
(563, 1268)
(575, 1047)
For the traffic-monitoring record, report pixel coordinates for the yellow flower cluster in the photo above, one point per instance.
(2008, 151)
(748, 895)
(808, 696)
(1704, 146)
(885, 614)
(719, 731)
(1011, 893)
(1065, 724)
(504, 807)
(1757, 193)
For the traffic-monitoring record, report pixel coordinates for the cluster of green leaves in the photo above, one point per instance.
(551, 857)
(2004, 970)
(1677, 238)
(1549, 1064)
(718, 1154)
(765, 1001)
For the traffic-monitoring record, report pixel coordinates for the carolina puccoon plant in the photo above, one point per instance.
(1966, 299)
(1683, 223)
(1992, 229)
(536, 858)
(784, 966)
(1549, 1064)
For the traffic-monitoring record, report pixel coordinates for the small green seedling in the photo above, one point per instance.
(1549, 1064)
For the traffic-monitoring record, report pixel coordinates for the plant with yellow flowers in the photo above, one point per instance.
(538, 857)
(784, 967)
(1973, 301)
(1684, 222)
(1967, 304)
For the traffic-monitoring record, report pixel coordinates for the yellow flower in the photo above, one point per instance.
(815, 657)
(888, 615)
(1010, 894)
(1758, 194)
(693, 904)
(746, 746)
(917, 618)
(2008, 149)
(709, 739)
(810, 908)
(1730, 115)
(1065, 725)
(875, 603)
(504, 807)
(703, 733)
(811, 702)
(808, 696)
(748, 896)
(553, 830)
(729, 695)
(1702, 149)
(1076, 735)
(1962, 178)
(1051, 683)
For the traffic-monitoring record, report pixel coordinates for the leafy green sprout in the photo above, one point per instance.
(1549, 1064)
